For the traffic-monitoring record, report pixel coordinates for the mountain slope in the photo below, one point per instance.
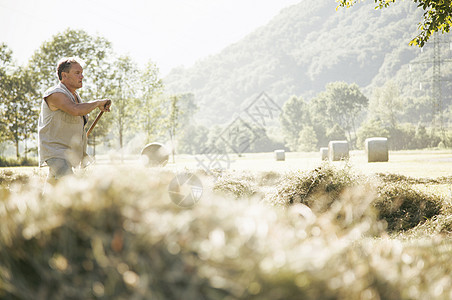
(298, 52)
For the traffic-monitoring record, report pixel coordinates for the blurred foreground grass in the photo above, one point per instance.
(330, 232)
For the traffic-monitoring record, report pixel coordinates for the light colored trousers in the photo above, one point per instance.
(58, 167)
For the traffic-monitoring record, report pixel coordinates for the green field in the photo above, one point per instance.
(415, 163)
(409, 163)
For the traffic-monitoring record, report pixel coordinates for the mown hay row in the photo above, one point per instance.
(116, 234)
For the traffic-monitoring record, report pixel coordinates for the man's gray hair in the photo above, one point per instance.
(64, 65)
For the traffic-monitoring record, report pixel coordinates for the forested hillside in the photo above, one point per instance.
(307, 46)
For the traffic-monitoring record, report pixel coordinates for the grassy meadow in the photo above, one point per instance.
(263, 229)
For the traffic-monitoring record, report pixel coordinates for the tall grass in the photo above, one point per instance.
(115, 234)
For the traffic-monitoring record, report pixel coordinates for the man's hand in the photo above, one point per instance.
(104, 105)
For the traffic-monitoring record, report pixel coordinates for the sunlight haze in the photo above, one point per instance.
(171, 33)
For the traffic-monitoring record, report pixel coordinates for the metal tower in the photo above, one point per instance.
(438, 121)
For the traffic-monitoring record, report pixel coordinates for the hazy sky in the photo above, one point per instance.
(170, 32)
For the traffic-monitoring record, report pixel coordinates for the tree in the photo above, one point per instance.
(340, 104)
(94, 51)
(417, 109)
(100, 85)
(188, 107)
(437, 16)
(307, 140)
(126, 104)
(6, 63)
(194, 139)
(151, 102)
(295, 115)
(371, 128)
(386, 105)
(19, 113)
(173, 120)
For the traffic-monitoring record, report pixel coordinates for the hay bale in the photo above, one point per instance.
(280, 155)
(155, 154)
(377, 149)
(324, 153)
(338, 150)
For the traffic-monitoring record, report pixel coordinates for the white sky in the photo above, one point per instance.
(169, 32)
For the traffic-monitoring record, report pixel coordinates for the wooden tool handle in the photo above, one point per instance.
(97, 118)
(94, 123)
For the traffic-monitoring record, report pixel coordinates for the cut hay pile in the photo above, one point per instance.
(115, 234)
(404, 208)
(398, 204)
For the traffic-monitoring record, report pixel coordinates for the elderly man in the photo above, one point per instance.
(61, 128)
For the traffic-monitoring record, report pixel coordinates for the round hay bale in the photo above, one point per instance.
(338, 150)
(324, 153)
(280, 155)
(377, 149)
(155, 155)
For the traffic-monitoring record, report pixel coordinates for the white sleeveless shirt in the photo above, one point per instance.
(61, 135)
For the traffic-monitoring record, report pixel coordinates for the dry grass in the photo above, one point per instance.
(114, 233)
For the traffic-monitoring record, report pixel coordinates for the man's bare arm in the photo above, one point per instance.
(61, 101)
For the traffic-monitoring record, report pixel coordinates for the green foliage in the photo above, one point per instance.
(193, 139)
(339, 105)
(295, 115)
(403, 136)
(307, 140)
(371, 128)
(18, 113)
(437, 17)
(126, 104)
(5, 57)
(304, 48)
(94, 51)
(16, 162)
(417, 109)
(386, 105)
(407, 136)
(263, 141)
(152, 104)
